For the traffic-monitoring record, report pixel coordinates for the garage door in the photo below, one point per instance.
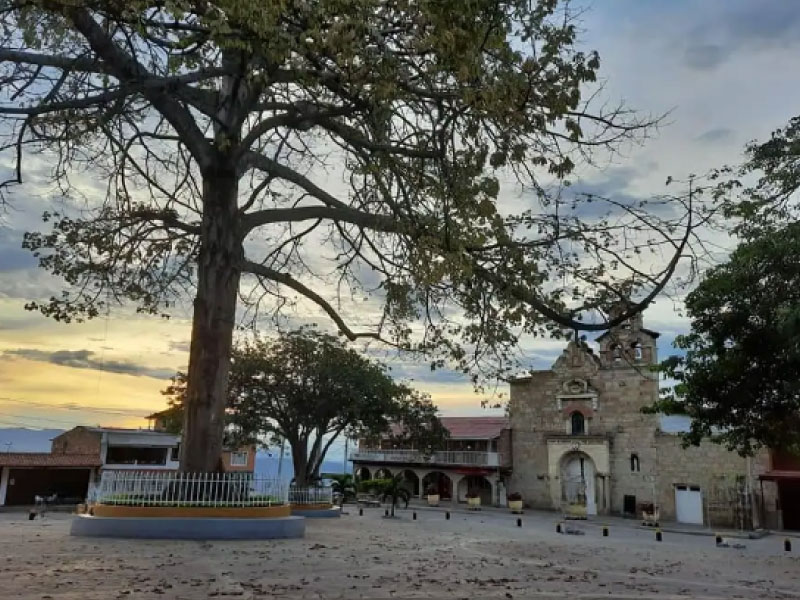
(25, 484)
(689, 504)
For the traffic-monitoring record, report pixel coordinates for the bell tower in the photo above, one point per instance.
(628, 344)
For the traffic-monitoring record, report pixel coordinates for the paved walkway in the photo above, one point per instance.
(541, 516)
(482, 555)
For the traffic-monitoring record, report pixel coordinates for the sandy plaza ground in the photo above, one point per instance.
(481, 555)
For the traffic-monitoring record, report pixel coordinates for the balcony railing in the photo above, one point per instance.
(444, 457)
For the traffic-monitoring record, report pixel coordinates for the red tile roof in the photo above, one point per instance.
(475, 428)
(45, 459)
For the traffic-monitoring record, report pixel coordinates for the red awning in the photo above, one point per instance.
(777, 475)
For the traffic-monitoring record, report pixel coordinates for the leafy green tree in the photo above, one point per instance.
(739, 378)
(309, 389)
(762, 192)
(321, 151)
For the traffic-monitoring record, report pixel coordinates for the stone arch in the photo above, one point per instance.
(363, 474)
(577, 423)
(441, 482)
(637, 351)
(478, 484)
(616, 352)
(635, 466)
(578, 481)
(411, 482)
(383, 473)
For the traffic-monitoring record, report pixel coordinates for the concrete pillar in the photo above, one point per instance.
(4, 471)
(421, 475)
(454, 481)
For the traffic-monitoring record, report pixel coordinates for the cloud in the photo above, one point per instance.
(704, 56)
(182, 346)
(12, 256)
(720, 134)
(85, 359)
(743, 27)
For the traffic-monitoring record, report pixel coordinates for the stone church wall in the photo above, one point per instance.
(609, 392)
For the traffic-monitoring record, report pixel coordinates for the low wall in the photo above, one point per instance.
(189, 528)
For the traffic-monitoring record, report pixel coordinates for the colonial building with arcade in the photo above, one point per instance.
(577, 441)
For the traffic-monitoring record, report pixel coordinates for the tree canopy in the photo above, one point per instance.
(320, 153)
(310, 389)
(739, 379)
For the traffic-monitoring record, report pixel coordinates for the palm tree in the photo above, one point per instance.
(343, 484)
(392, 489)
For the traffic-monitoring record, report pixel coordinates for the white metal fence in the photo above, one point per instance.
(148, 488)
(313, 495)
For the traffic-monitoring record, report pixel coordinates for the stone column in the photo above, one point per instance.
(454, 481)
(421, 475)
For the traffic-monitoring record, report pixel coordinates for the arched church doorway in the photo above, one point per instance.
(578, 481)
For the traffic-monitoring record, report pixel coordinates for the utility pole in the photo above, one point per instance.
(280, 460)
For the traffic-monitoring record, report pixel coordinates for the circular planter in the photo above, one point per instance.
(189, 523)
(188, 528)
(433, 499)
(474, 503)
(189, 512)
(515, 506)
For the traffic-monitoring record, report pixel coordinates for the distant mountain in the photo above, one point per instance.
(19, 439)
(267, 465)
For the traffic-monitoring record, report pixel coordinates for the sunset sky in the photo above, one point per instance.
(724, 70)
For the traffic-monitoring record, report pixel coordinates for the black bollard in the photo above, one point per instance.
(658, 535)
(558, 527)
(31, 515)
(605, 530)
(360, 512)
(717, 539)
(787, 545)
(414, 515)
(386, 512)
(447, 515)
(519, 522)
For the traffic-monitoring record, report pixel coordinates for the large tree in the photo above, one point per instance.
(739, 376)
(739, 373)
(327, 150)
(310, 390)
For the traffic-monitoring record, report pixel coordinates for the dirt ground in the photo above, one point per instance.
(376, 558)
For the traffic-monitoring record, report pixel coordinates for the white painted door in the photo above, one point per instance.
(688, 504)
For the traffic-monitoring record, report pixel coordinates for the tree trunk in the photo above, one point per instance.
(212, 325)
(300, 462)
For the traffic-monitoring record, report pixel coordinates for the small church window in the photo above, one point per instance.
(635, 463)
(578, 425)
(616, 353)
(637, 351)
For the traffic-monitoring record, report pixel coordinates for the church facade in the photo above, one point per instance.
(582, 444)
